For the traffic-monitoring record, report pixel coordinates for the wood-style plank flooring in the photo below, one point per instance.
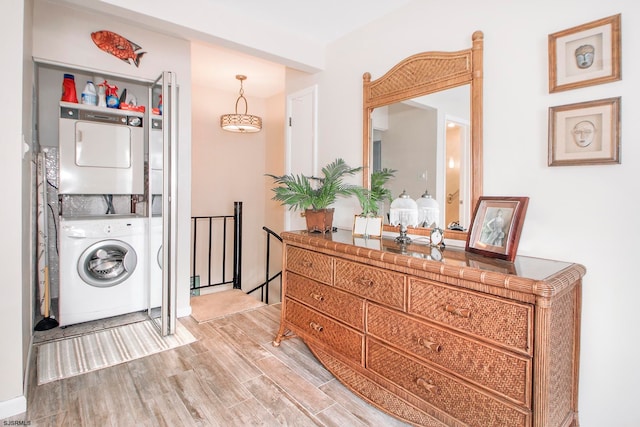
(231, 376)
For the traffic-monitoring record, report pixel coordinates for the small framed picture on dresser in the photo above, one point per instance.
(496, 226)
(367, 226)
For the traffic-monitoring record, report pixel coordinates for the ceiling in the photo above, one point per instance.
(215, 67)
(319, 22)
(322, 21)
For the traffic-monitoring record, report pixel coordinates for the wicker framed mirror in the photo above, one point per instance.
(423, 74)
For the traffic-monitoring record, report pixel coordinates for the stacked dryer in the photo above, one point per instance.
(101, 152)
(102, 257)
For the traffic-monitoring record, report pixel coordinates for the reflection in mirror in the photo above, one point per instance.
(457, 185)
(426, 139)
(423, 118)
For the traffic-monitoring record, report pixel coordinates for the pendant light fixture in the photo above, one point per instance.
(241, 122)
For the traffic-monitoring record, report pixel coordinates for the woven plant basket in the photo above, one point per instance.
(319, 220)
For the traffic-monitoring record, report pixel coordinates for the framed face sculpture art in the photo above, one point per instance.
(585, 55)
(585, 133)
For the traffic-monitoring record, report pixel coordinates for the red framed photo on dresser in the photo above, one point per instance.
(496, 226)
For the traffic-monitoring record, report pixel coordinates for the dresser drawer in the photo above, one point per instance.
(503, 322)
(327, 300)
(333, 335)
(310, 264)
(372, 283)
(445, 392)
(500, 371)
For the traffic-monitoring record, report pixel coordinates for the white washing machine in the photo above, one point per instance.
(102, 267)
(155, 262)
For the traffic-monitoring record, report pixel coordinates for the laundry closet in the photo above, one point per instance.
(104, 171)
(97, 161)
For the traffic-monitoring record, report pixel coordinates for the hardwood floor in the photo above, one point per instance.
(231, 376)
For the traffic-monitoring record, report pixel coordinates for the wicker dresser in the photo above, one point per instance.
(462, 341)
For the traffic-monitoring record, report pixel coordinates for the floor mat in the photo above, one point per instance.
(219, 304)
(78, 355)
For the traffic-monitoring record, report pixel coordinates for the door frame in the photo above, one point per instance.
(311, 91)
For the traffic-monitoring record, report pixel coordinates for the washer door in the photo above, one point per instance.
(159, 257)
(107, 263)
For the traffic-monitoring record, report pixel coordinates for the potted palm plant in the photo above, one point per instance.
(314, 195)
(370, 199)
(369, 223)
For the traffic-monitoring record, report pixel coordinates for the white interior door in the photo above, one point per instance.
(301, 145)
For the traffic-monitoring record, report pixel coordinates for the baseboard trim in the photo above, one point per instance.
(11, 407)
(18, 405)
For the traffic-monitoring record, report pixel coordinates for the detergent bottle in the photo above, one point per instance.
(69, 89)
(89, 95)
(112, 97)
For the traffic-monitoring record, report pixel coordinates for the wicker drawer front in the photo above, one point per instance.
(327, 300)
(503, 322)
(442, 391)
(372, 283)
(333, 335)
(500, 371)
(310, 264)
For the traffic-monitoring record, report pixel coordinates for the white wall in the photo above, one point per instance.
(214, 23)
(62, 34)
(13, 340)
(583, 214)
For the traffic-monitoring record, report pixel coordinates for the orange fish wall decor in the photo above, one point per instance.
(118, 46)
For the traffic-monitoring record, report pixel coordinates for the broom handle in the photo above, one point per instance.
(46, 292)
(45, 223)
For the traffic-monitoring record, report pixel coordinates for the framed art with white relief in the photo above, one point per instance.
(585, 55)
(586, 133)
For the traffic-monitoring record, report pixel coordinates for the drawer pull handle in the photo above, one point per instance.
(428, 386)
(316, 297)
(316, 327)
(430, 345)
(462, 312)
(307, 264)
(366, 282)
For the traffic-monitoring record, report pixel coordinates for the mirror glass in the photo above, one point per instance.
(427, 141)
(423, 118)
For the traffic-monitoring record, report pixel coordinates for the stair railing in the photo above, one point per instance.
(264, 287)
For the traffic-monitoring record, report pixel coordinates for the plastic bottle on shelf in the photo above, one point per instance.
(89, 95)
(112, 97)
(69, 89)
(102, 94)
